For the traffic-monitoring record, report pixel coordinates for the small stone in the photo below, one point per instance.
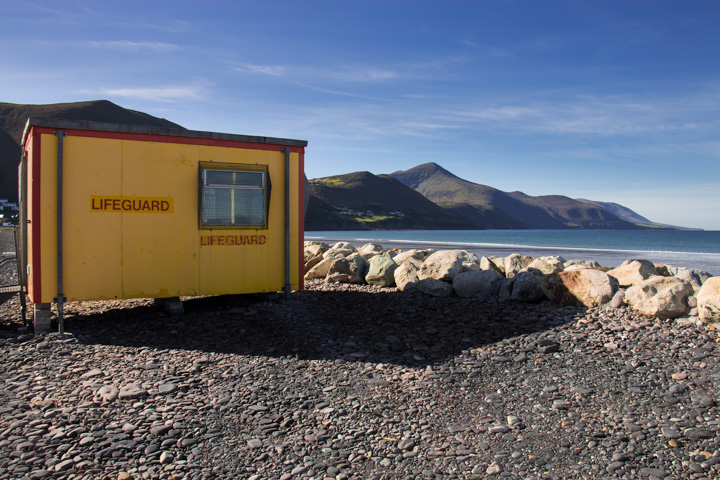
(702, 399)
(129, 428)
(493, 469)
(255, 443)
(91, 373)
(406, 444)
(160, 430)
(166, 458)
(513, 420)
(109, 393)
(64, 465)
(669, 432)
(298, 470)
(166, 388)
(131, 392)
(655, 472)
(499, 429)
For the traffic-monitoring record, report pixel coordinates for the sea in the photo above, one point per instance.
(696, 249)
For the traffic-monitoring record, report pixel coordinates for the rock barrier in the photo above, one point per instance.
(654, 290)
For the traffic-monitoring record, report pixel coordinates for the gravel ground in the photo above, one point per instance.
(358, 382)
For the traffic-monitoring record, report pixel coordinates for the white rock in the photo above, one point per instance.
(320, 270)
(496, 264)
(546, 265)
(579, 264)
(313, 254)
(419, 255)
(708, 301)
(584, 287)
(662, 297)
(443, 265)
(407, 274)
(633, 272)
(516, 262)
(370, 250)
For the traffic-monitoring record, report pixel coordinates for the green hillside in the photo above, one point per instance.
(362, 200)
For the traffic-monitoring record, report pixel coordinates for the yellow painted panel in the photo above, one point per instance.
(160, 250)
(48, 218)
(92, 252)
(295, 178)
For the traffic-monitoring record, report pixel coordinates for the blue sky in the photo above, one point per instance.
(608, 100)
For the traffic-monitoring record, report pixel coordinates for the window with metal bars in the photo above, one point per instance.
(233, 196)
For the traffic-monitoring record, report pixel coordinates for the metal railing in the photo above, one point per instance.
(11, 268)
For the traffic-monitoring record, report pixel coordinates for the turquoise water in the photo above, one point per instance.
(682, 248)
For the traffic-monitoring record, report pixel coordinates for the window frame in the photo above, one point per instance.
(204, 167)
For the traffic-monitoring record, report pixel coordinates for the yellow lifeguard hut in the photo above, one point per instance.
(123, 211)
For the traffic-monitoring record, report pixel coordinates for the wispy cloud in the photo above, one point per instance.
(346, 73)
(590, 115)
(168, 93)
(127, 45)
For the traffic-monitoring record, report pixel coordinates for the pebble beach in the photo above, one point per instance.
(348, 381)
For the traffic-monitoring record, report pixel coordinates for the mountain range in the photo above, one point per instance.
(426, 197)
(362, 200)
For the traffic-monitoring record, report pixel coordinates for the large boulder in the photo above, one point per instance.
(381, 271)
(696, 278)
(662, 297)
(584, 287)
(446, 264)
(351, 269)
(340, 249)
(471, 262)
(496, 264)
(343, 246)
(436, 288)
(504, 289)
(370, 250)
(633, 272)
(477, 283)
(708, 301)
(579, 264)
(515, 263)
(313, 254)
(572, 265)
(546, 265)
(415, 254)
(319, 270)
(527, 287)
(406, 275)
